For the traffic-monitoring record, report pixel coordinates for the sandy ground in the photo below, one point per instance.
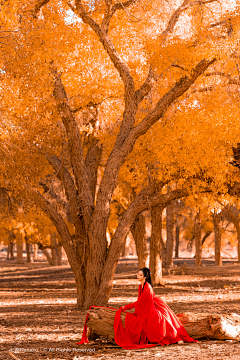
(39, 319)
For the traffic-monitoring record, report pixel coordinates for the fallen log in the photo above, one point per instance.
(198, 325)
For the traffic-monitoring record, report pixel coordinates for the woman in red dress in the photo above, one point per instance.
(152, 323)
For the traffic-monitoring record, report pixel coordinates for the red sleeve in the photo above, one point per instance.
(145, 301)
(133, 305)
(130, 306)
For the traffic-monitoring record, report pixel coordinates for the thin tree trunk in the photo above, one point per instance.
(238, 237)
(170, 234)
(156, 243)
(29, 252)
(217, 233)
(54, 251)
(139, 234)
(177, 235)
(10, 251)
(49, 259)
(235, 220)
(198, 241)
(35, 252)
(59, 255)
(206, 236)
(20, 253)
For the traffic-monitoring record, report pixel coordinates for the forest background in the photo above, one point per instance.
(112, 112)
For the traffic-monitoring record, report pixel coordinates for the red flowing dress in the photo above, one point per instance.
(152, 323)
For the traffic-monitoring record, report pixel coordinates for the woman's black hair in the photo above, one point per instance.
(147, 275)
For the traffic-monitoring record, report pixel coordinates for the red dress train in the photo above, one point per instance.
(152, 323)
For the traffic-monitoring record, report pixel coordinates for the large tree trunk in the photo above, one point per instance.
(217, 233)
(170, 234)
(177, 236)
(156, 243)
(198, 325)
(138, 230)
(198, 241)
(20, 253)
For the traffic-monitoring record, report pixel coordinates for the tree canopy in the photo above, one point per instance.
(105, 95)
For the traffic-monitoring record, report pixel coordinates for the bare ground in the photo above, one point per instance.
(39, 319)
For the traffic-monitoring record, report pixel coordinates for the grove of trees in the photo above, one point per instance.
(111, 108)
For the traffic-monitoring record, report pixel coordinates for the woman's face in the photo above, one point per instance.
(140, 276)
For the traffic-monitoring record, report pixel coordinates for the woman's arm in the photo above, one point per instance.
(129, 306)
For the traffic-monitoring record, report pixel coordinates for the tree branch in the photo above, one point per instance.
(110, 10)
(92, 161)
(39, 4)
(146, 87)
(230, 79)
(163, 104)
(75, 148)
(174, 18)
(119, 64)
(69, 186)
(42, 247)
(53, 215)
(121, 67)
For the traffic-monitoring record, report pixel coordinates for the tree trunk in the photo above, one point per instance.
(198, 325)
(235, 220)
(123, 254)
(238, 237)
(156, 243)
(29, 252)
(177, 235)
(10, 251)
(217, 233)
(54, 251)
(139, 234)
(46, 253)
(20, 253)
(198, 241)
(59, 255)
(35, 252)
(206, 236)
(170, 232)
